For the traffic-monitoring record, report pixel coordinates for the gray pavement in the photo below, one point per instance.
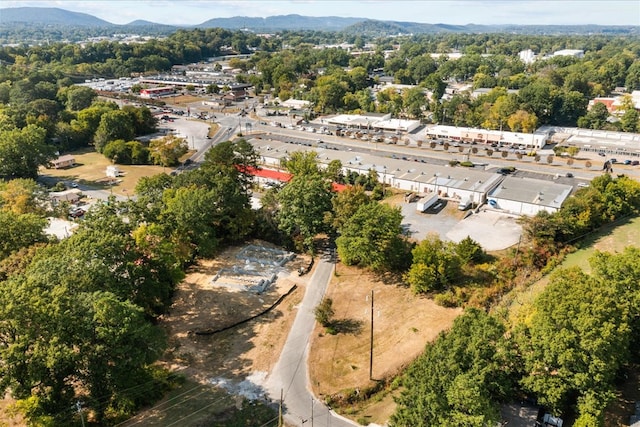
(290, 375)
(493, 230)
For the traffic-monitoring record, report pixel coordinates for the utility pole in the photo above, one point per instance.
(79, 408)
(280, 419)
(371, 342)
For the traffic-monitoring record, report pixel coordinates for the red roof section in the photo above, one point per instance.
(269, 173)
(284, 177)
(338, 188)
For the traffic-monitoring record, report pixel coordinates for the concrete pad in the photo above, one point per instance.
(493, 230)
(60, 228)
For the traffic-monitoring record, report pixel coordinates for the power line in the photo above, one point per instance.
(193, 413)
(167, 401)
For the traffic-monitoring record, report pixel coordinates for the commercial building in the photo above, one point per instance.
(157, 92)
(521, 196)
(537, 139)
(610, 143)
(576, 53)
(372, 121)
(527, 196)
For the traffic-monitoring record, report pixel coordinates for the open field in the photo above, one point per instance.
(90, 171)
(609, 239)
(183, 99)
(403, 324)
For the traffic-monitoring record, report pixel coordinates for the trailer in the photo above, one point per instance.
(426, 202)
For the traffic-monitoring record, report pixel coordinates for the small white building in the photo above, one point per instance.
(576, 53)
(113, 172)
(527, 56)
(297, 104)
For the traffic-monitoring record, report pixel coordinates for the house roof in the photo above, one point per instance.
(65, 158)
(269, 174)
(285, 177)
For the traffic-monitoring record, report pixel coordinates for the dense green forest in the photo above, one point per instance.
(78, 316)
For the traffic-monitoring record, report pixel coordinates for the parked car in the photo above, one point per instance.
(569, 175)
(601, 154)
(635, 163)
(76, 213)
(506, 171)
(627, 162)
(613, 160)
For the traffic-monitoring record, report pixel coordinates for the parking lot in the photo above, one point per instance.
(493, 230)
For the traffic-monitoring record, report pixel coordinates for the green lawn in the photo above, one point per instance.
(610, 239)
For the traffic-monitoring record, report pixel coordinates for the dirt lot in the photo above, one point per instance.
(403, 324)
(240, 351)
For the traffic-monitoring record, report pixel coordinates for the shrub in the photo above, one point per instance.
(324, 312)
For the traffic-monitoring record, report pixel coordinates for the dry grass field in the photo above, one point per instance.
(403, 324)
(90, 171)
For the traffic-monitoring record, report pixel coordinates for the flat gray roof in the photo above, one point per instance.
(532, 191)
(472, 179)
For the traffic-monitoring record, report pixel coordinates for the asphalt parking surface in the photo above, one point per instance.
(491, 229)
(434, 221)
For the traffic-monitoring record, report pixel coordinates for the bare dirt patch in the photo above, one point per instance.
(7, 416)
(403, 324)
(201, 306)
(234, 360)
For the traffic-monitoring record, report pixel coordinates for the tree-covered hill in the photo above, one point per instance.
(10, 18)
(282, 22)
(49, 15)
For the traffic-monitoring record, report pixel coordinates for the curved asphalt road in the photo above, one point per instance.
(291, 374)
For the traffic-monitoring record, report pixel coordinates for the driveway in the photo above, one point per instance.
(290, 377)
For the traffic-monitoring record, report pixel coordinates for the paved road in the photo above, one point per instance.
(290, 375)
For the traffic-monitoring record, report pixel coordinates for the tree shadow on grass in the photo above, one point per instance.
(346, 326)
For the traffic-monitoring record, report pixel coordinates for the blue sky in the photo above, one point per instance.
(192, 12)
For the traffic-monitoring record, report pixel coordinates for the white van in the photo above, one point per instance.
(464, 204)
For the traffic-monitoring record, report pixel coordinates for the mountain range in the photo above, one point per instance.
(19, 17)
